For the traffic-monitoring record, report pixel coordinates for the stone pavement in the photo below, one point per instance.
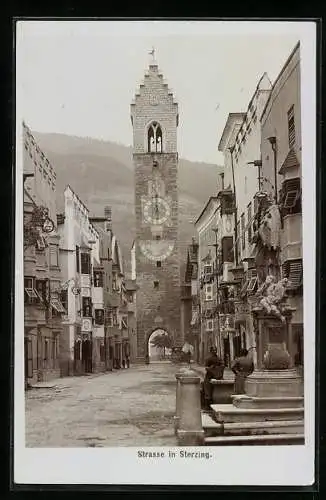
(131, 407)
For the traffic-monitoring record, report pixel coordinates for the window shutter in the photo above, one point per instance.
(291, 127)
(293, 271)
(290, 199)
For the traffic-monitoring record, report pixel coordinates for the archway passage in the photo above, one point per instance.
(159, 345)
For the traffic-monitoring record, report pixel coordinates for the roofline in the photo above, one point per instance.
(285, 65)
(83, 204)
(257, 89)
(203, 210)
(227, 125)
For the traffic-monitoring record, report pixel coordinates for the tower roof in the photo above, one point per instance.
(151, 75)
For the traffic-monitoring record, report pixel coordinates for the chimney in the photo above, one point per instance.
(108, 216)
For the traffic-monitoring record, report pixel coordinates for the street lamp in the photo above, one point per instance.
(231, 149)
(273, 143)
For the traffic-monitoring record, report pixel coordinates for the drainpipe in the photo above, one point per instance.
(272, 141)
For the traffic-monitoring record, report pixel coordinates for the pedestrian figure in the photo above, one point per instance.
(242, 367)
(214, 370)
(128, 362)
(123, 364)
(147, 359)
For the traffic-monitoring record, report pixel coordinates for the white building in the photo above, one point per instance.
(81, 295)
(242, 134)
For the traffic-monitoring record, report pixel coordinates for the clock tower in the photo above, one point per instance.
(155, 118)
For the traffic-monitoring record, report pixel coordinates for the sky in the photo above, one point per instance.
(80, 77)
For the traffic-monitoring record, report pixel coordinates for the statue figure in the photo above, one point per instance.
(273, 295)
(269, 228)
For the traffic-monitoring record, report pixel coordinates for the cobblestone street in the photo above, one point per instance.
(131, 407)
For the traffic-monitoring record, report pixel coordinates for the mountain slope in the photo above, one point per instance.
(101, 173)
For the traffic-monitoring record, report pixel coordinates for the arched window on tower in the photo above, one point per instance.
(154, 138)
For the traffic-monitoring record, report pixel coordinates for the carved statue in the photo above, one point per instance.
(273, 295)
(270, 227)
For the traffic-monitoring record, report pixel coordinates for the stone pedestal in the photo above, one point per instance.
(275, 379)
(179, 374)
(190, 431)
(272, 334)
(274, 383)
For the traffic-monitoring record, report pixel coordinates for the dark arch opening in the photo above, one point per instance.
(154, 138)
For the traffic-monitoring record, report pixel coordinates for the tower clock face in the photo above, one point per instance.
(156, 250)
(156, 211)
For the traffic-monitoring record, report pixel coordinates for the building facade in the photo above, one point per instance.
(154, 116)
(190, 301)
(240, 143)
(79, 256)
(262, 151)
(43, 309)
(281, 160)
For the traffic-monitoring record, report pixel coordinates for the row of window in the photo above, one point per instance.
(291, 132)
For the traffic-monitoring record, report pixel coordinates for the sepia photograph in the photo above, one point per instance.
(165, 224)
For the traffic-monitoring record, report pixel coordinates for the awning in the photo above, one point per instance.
(57, 305)
(291, 161)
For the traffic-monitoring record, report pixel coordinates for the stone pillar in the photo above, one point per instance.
(190, 431)
(178, 375)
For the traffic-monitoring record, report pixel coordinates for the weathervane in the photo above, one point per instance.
(152, 53)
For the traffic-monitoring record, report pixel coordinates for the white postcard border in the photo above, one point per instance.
(269, 465)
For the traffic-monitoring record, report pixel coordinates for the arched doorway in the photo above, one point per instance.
(159, 345)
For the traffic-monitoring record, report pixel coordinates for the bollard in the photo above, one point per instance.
(177, 398)
(190, 431)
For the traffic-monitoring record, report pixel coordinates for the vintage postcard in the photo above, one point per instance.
(165, 252)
